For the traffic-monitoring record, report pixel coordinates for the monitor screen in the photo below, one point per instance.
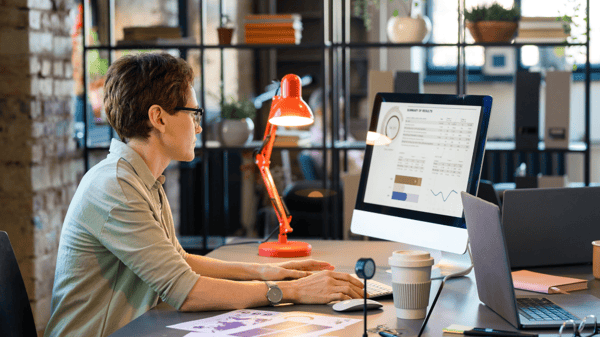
(433, 150)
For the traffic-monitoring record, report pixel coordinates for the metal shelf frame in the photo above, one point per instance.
(335, 71)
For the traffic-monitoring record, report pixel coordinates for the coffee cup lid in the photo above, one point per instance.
(410, 258)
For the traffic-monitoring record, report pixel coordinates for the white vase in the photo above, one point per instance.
(236, 132)
(408, 29)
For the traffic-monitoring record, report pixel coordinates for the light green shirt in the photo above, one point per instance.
(118, 252)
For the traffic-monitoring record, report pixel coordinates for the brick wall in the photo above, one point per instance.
(39, 164)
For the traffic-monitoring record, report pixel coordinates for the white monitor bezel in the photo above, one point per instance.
(415, 228)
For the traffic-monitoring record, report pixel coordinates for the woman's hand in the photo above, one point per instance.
(292, 269)
(323, 287)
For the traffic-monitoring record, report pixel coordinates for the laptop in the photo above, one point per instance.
(494, 280)
(559, 232)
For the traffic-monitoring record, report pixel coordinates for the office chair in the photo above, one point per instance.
(488, 193)
(16, 318)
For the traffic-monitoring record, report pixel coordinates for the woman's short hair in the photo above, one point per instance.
(136, 82)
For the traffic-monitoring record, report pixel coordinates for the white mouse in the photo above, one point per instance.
(356, 304)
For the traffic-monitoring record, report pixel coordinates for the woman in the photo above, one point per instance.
(118, 252)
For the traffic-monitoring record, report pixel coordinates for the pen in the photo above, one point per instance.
(386, 334)
(499, 333)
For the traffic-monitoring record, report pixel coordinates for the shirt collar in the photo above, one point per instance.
(122, 150)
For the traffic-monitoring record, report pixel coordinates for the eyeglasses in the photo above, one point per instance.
(197, 113)
(589, 322)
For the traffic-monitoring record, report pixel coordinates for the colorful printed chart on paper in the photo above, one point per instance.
(246, 323)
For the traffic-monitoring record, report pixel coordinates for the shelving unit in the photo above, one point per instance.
(333, 56)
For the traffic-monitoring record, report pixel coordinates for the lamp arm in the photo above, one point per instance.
(263, 161)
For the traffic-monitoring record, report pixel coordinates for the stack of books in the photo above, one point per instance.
(273, 29)
(541, 30)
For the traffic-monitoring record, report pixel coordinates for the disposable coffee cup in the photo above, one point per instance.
(596, 258)
(411, 282)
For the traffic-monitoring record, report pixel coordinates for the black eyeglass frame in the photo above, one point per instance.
(199, 112)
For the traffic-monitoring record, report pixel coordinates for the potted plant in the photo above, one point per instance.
(236, 127)
(492, 23)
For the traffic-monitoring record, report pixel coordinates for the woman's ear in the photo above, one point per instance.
(156, 115)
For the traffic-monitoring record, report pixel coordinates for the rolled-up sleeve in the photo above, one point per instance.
(134, 236)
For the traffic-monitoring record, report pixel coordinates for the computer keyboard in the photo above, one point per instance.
(542, 309)
(376, 289)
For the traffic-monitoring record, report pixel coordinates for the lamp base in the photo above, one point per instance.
(288, 249)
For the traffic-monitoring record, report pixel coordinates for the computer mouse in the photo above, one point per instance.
(356, 304)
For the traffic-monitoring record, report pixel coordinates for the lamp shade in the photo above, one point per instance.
(290, 109)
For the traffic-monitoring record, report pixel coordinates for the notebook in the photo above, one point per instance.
(544, 283)
(494, 279)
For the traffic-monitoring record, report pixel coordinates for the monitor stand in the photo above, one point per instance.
(451, 264)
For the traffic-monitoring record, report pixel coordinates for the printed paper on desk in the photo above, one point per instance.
(227, 322)
(242, 323)
(544, 283)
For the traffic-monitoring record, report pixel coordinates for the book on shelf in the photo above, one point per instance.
(547, 284)
(158, 42)
(286, 142)
(272, 40)
(539, 19)
(290, 138)
(284, 32)
(151, 33)
(542, 33)
(540, 39)
(541, 25)
(297, 25)
(274, 33)
(272, 17)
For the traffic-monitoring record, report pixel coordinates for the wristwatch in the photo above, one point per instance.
(274, 294)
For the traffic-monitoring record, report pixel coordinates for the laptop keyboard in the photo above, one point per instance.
(542, 309)
(376, 289)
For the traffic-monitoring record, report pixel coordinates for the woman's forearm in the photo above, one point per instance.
(217, 294)
(214, 268)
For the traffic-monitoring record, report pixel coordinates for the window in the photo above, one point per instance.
(444, 15)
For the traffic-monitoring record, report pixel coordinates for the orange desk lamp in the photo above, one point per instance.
(289, 109)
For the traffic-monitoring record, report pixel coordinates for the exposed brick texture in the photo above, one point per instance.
(39, 164)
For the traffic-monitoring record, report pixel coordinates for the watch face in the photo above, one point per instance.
(274, 295)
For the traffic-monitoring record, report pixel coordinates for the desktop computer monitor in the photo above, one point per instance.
(422, 151)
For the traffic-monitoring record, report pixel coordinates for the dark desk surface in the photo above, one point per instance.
(458, 303)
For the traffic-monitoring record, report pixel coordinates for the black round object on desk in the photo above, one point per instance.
(365, 269)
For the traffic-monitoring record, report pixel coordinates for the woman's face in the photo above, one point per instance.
(180, 135)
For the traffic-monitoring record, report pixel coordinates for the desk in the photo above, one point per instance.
(458, 303)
